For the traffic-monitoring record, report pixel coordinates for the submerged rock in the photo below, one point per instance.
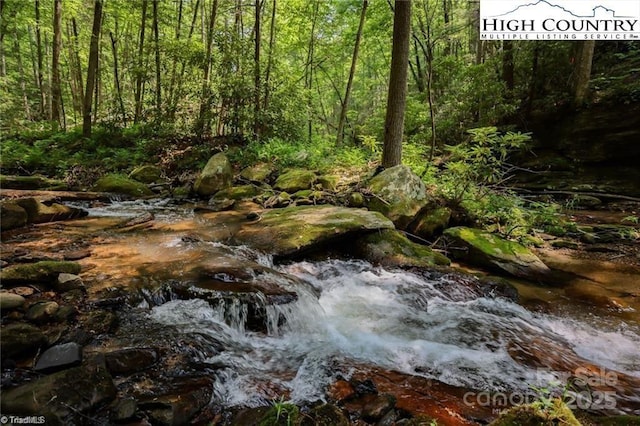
(119, 184)
(484, 249)
(216, 175)
(390, 248)
(398, 193)
(290, 231)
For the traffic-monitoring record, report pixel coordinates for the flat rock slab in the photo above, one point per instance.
(291, 230)
(60, 357)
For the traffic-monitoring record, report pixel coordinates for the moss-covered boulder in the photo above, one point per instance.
(397, 193)
(38, 212)
(391, 248)
(216, 176)
(12, 215)
(328, 182)
(120, 184)
(46, 271)
(20, 339)
(430, 222)
(32, 182)
(237, 193)
(257, 173)
(292, 230)
(295, 180)
(536, 414)
(146, 174)
(484, 249)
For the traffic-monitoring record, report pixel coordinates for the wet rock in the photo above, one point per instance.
(63, 398)
(377, 406)
(66, 313)
(179, 405)
(60, 357)
(390, 248)
(39, 272)
(250, 416)
(214, 205)
(124, 409)
(289, 231)
(20, 339)
(119, 184)
(257, 173)
(398, 193)
(430, 222)
(216, 175)
(131, 360)
(498, 287)
(68, 282)
(325, 415)
(146, 174)
(137, 220)
(101, 322)
(76, 254)
(38, 212)
(42, 312)
(483, 249)
(295, 180)
(12, 215)
(10, 301)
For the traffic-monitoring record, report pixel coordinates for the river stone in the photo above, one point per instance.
(430, 222)
(20, 339)
(42, 312)
(67, 282)
(391, 248)
(124, 409)
(180, 404)
(146, 174)
(10, 300)
(376, 406)
(60, 357)
(63, 398)
(38, 212)
(216, 175)
(236, 193)
(120, 184)
(45, 271)
(484, 249)
(130, 360)
(328, 182)
(398, 193)
(289, 231)
(326, 415)
(257, 173)
(295, 180)
(12, 215)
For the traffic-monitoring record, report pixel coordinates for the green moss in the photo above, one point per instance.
(44, 271)
(392, 249)
(295, 180)
(121, 184)
(31, 182)
(237, 193)
(146, 174)
(537, 414)
(304, 193)
(328, 182)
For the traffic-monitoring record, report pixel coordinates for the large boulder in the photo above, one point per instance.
(46, 271)
(215, 176)
(20, 339)
(484, 249)
(292, 230)
(12, 215)
(146, 174)
(397, 193)
(390, 248)
(430, 222)
(119, 184)
(257, 173)
(38, 212)
(295, 180)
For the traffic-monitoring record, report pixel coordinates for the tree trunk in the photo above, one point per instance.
(40, 67)
(171, 105)
(56, 90)
(507, 64)
(204, 117)
(78, 65)
(308, 70)
(256, 72)
(92, 69)
(178, 92)
(397, 97)
(582, 71)
(3, 62)
(352, 72)
(156, 36)
(116, 77)
(23, 86)
(140, 70)
(272, 39)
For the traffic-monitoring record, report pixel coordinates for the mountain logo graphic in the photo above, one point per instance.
(595, 12)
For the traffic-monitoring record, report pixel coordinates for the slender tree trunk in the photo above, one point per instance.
(156, 37)
(431, 103)
(272, 46)
(533, 80)
(40, 68)
(23, 86)
(178, 94)
(116, 77)
(56, 90)
(507, 64)
(3, 62)
(140, 72)
(308, 70)
(174, 66)
(204, 117)
(78, 67)
(417, 72)
(582, 71)
(92, 70)
(397, 97)
(98, 86)
(256, 71)
(352, 72)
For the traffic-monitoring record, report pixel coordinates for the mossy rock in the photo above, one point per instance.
(484, 249)
(146, 174)
(304, 193)
(20, 339)
(391, 248)
(237, 193)
(292, 230)
(38, 212)
(355, 199)
(535, 414)
(430, 222)
(328, 182)
(120, 184)
(257, 173)
(12, 215)
(216, 176)
(295, 180)
(46, 271)
(32, 183)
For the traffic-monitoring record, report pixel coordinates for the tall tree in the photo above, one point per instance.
(352, 72)
(92, 70)
(156, 42)
(582, 70)
(397, 96)
(204, 117)
(56, 91)
(256, 71)
(140, 70)
(272, 40)
(3, 61)
(40, 66)
(116, 77)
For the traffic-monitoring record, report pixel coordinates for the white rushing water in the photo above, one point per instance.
(392, 319)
